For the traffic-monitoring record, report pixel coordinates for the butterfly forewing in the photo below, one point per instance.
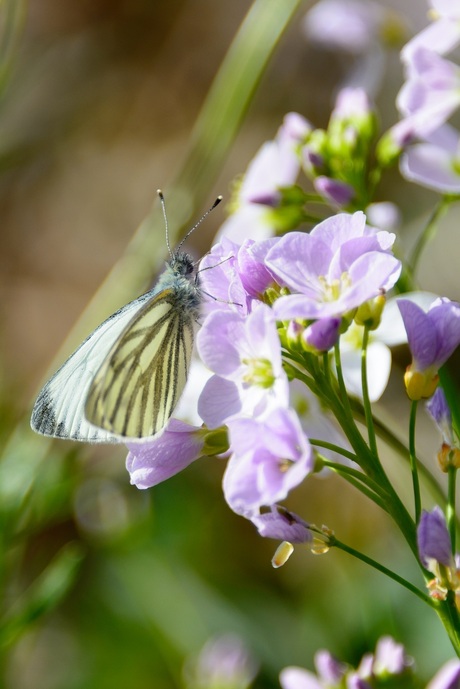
(136, 388)
(59, 408)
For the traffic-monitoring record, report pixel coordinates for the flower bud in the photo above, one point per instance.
(282, 554)
(370, 312)
(420, 384)
(321, 335)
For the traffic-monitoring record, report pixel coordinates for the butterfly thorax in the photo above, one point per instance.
(181, 278)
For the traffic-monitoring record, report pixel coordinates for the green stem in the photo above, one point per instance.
(366, 400)
(359, 480)
(413, 462)
(335, 448)
(388, 572)
(429, 232)
(450, 509)
(326, 367)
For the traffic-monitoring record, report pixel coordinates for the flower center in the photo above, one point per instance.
(333, 290)
(285, 464)
(259, 372)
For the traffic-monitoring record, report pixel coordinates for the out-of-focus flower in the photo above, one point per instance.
(275, 165)
(439, 411)
(369, 27)
(435, 163)
(448, 677)
(224, 663)
(426, 101)
(337, 193)
(432, 337)
(390, 658)
(341, 264)
(431, 91)
(385, 215)
(352, 121)
(378, 358)
(270, 457)
(324, 23)
(441, 36)
(449, 453)
(245, 355)
(378, 670)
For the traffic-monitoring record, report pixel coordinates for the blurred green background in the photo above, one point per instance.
(103, 585)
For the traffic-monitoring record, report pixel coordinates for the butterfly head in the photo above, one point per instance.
(182, 263)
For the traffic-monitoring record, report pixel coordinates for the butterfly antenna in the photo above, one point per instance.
(216, 203)
(163, 208)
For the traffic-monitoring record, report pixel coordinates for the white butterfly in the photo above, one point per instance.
(126, 378)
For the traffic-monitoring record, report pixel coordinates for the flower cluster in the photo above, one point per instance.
(281, 305)
(435, 551)
(306, 298)
(427, 100)
(388, 667)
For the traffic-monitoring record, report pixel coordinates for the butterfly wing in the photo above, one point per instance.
(134, 392)
(59, 409)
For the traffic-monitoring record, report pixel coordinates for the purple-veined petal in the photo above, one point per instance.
(254, 275)
(323, 334)
(219, 401)
(444, 316)
(421, 337)
(216, 342)
(170, 451)
(391, 330)
(340, 228)
(271, 456)
(433, 539)
(282, 526)
(297, 257)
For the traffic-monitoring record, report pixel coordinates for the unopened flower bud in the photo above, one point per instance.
(370, 313)
(448, 457)
(282, 554)
(420, 384)
(321, 335)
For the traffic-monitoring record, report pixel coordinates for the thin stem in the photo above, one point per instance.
(400, 448)
(335, 448)
(451, 500)
(429, 231)
(363, 483)
(384, 570)
(413, 462)
(326, 367)
(366, 400)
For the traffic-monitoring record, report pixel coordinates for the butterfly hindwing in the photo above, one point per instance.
(139, 383)
(59, 408)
